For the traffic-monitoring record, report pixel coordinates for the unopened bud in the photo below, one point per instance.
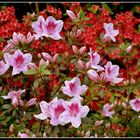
(39, 56)
(82, 50)
(87, 134)
(132, 81)
(44, 135)
(124, 105)
(83, 133)
(55, 58)
(129, 49)
(81, 64)
(71, 15)
(11, 128)
(74, 48)
(98, 123)
(107, 125)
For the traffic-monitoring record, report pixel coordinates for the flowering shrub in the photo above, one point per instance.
(71, 72)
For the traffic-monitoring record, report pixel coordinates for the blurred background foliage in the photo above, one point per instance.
(30, 7)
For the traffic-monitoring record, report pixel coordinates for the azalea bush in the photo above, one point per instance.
(70, 70)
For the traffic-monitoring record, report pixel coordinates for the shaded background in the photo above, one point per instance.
(22, 8)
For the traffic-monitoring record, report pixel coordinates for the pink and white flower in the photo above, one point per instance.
(135, 104)
(110, 33)
(18, 61)
(74, 112)
(45, 109)
(52, 28)
(111, 73)
(15, 97)
(57, 108)
(94, 60)
(73, 88)
(49, 28)
(3, 67)
(44, 106)
(107, 110)
(50, 58)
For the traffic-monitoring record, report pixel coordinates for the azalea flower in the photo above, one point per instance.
(106, 110)
(15, 97)
(57, 108)
(135, 104)
(49, 28)
(45, 109)
(18, 39)
(111, 73)
(74, 112)
(73, 88)
(18, 61)
(94, 60)
(52, 28)
(3, 67)
(110, 33)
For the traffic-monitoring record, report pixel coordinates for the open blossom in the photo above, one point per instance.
(58, 107)
(49, 28)
(111, 73)
(45, 109)
(74, 112)
(107, 110)
(18, 39)
(110, 33)
(15, 97)
(49, 58)
(73, 88)
(135, 104)
(94, 60)
(18, 61)
(3, 67)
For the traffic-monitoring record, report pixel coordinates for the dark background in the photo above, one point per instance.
(24, 7)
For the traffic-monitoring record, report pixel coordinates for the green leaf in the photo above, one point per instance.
(36, 83)
(82, 14)
(31, 72)
(45, 72)
(6, 106)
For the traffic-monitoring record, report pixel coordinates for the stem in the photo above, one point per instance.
(37, 8)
